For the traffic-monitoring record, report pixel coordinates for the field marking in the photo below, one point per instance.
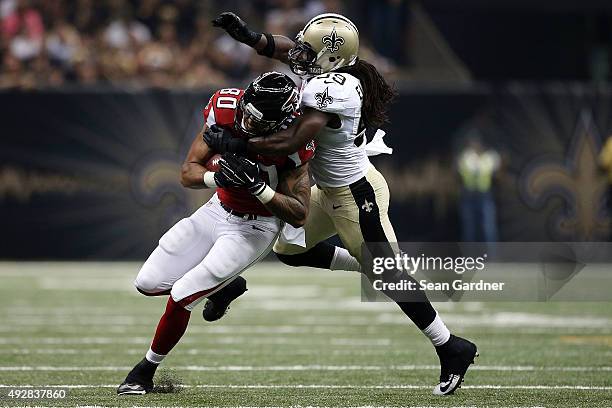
(195, 351)
(287, 406)
(318, 406)
(279, 406)
(313, 367)
(503, 320)
(338, 386)
(299, 341)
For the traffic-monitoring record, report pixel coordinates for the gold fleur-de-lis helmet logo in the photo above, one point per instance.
(332, 41)
(323, 98)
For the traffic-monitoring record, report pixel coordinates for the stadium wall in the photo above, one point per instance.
(95, 174)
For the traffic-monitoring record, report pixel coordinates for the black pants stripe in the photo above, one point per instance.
(419, 309)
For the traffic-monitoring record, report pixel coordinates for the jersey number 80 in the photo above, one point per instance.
(228, 102)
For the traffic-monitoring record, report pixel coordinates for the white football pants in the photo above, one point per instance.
(201, 254)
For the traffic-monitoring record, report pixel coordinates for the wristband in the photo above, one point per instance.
(268, 50)
(266, 195)
(209, 179)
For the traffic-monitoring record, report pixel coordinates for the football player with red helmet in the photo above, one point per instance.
(255, 196)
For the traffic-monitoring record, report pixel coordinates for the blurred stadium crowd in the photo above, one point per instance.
(161, 43)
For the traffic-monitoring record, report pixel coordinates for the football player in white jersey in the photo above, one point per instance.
(341, 96)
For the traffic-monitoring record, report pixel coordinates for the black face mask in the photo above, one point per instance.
(302, 59)
(250, 125)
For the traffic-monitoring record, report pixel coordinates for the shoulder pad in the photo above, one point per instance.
(221, 108)
(332, 92)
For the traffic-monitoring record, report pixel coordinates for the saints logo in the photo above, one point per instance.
(333, 41)
(323, 98)
(367, 206)
(576, 181)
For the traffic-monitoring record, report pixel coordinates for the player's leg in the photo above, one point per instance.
(217, 304)
(181, 248)
(365, 219)
(238, 244)
(317, 253)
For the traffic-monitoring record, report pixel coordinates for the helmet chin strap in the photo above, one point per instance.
(339, 64)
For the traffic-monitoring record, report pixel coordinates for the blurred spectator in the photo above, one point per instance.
(63, 43)
(124, 32)
(160, 43)
(18, 16)
(24, 46)
(476, 166)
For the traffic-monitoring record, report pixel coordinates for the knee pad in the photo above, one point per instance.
(180, 238)
(146, 282)
(151, 281)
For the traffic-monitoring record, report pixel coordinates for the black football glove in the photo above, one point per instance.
(221, 141)
(243, 171)
(221, 180)
(236, 28)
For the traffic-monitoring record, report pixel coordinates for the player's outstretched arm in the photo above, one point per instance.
(289, 141)
(290, 202)
(273, 46)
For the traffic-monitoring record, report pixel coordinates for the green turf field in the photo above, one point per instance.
(297, 338)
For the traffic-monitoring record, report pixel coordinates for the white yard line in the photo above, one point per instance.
(288, 406)
(194, 351)
(334, 386)
(310, 406)
(248, 340)
(320, 406)
(313, 367)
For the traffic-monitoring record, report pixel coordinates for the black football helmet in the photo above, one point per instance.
(268, 102)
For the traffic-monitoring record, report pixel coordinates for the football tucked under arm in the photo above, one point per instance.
(200, 168)
(213, 163)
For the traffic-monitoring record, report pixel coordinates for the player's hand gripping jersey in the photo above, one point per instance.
(221, 110)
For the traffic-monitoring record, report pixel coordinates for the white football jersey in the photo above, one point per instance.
(337, 161)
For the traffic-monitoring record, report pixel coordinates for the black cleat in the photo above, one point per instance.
(218, 304)
(140, 380)
(456, 355)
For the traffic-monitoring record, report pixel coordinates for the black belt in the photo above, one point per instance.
(245, 216)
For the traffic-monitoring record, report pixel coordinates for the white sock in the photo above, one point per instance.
(153, 357)
(344, 261)
(437, 332)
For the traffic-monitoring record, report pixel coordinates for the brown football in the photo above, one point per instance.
(213, 163)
